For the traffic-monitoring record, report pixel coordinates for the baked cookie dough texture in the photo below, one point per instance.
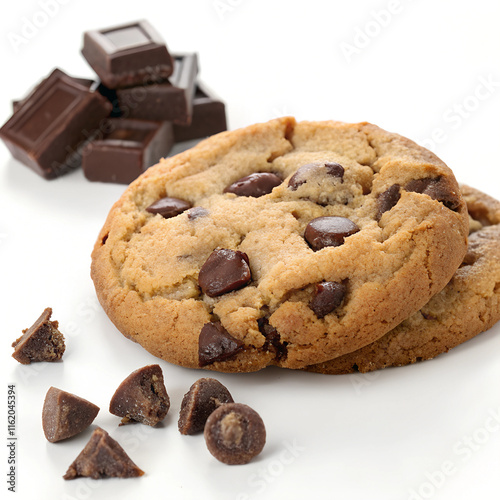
(410, 235)
(467, 306)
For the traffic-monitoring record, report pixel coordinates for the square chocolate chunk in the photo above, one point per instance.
(127, 150)
(209, 116)
(164, 101)
(49, 128)
(127, 55)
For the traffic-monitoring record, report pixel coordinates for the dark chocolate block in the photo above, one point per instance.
(141, 397)
(164, 101)
(102, 457)
(127, 150)
(64, 415)
(209, 116)
(41, 342)
(49, 129)
(85, 82)
(127, 55)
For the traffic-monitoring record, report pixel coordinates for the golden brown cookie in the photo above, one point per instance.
(467, 306)
(282, 243)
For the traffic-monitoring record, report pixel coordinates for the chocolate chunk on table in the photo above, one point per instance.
(203, 397)
(102, 457)
(127, 55)
(235, 433)
(164, 101)
(141, 397)
(128, 149)
(41, 342)
(208, 118)
(50, 127)
(64, 415)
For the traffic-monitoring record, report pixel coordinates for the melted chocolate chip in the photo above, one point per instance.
(388, 199)
(273, 338)
(197, 212)
(437, 189)
(216, 344)
(254, 185)
(235, 433)
(204, 396)
(301, 175)
(329, 295)
(224, 271)
(329, 231)
(168, 207)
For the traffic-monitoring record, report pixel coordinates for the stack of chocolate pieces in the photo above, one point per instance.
(145, 100)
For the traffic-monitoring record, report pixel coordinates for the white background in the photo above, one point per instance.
(423, 431)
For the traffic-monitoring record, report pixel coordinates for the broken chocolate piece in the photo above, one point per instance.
(208, 118)
(224, 271)
(254, 185)
(41, 342)
(168, 207)
(102, 457)
(64, 415)
(50, 128)
(127, 55)
(171, 100)
(204, 396)
(388, 199)
(216, 344)
(127, 150)
(235, 433)
(329, 231)
(303, 173)
(329, 295)
(437, 189)
(141, 397)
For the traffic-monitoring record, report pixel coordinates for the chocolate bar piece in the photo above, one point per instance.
(165, 101)
(126, 150)
(127, 55)
(49, 129)
(16, 104)
(209, 116)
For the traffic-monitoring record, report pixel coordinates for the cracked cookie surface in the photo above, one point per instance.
(346, 231)
(467, 306)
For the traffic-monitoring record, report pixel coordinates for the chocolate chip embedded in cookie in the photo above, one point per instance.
(467, 306)
(281, 212)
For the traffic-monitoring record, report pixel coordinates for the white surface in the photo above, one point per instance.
(426, 431)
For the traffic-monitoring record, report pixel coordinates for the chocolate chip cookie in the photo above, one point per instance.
(282, 243)
(467, 306)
